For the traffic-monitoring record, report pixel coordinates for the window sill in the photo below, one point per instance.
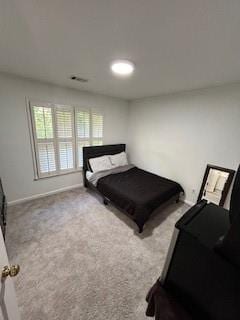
(58, 174)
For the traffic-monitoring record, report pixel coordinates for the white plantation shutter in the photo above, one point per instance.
(64, 121)
(46, 154)
(43, 122)
(59, 134)
(97, 129)
(83, 133)
(44, 140)
(66, 155)
(83, 124)
(65, 137)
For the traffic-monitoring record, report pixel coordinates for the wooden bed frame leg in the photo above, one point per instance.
(178, 199)
(140, 229)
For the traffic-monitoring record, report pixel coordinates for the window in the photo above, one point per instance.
(59, 134)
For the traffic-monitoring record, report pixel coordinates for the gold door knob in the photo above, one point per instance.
(11, 271)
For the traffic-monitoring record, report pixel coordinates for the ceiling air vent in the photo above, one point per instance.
(78, 79)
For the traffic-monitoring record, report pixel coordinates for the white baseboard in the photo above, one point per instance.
(190, 203)
(40, 195)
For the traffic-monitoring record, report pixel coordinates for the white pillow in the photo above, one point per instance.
(119, 159)
(100, 163)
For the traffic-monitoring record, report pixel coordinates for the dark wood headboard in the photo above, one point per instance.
(98, 151)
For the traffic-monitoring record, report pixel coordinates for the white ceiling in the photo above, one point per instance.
(175, 44)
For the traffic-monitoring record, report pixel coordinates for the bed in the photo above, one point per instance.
(132, 190)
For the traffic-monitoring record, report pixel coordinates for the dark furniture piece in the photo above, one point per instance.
(164, 306)
(229, 245)
(3, 210)
(204, 282)
(134, 191)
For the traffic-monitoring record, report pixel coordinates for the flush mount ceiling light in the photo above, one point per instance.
(122, 67)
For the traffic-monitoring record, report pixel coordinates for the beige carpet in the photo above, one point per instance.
(82, 260)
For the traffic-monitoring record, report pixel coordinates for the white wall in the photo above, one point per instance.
(16, 165)
(177, 135)
(172, 135)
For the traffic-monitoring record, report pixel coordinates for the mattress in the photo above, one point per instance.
(138, 192)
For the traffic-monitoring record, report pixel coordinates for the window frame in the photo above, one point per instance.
(34, 140)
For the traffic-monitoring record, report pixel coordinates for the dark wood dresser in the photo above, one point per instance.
(204, 282)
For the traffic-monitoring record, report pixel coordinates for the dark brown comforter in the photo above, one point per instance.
(138, 192)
